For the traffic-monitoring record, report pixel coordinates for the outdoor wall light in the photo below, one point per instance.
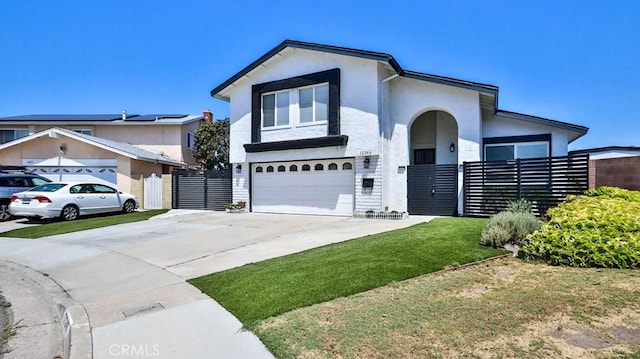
(452, 148)
(238, 168)
(366, 162)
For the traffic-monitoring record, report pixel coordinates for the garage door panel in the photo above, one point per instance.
(304, 192)
(76, 174)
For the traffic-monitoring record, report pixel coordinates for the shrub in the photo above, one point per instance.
(519, 206)
(598, 229)
(508, 227)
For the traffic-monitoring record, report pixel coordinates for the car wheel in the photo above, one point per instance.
(4, 212)
(129, 206)
(69, 213)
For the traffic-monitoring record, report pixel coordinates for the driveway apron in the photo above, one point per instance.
(131, 277)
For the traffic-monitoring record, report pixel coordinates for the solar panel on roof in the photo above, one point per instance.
(62, 118)
(155, 117)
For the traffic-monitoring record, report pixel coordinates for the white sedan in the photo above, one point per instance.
(71, 200)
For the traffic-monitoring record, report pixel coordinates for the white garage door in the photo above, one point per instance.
(68, 169)
(304, 187)
(77, 174)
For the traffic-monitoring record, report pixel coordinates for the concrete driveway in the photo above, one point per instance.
(130, 278)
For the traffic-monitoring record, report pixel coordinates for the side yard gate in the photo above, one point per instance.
(199, 189)
(545, 182)
(152, 192)
(432, 189)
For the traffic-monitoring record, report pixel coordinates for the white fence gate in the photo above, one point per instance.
(153, 192)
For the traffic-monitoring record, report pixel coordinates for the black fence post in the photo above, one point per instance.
(176, 190)
(519, 176)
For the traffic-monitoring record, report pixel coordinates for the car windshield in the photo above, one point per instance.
(48, 187)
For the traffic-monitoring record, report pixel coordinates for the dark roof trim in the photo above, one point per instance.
(327, 141)
(581, 130)
(608, 148)
(476, 86)
(371, 55)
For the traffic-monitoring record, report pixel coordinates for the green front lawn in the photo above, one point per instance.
(260, 290)
(61, 227)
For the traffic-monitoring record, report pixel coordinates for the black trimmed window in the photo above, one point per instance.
(275, 109)
(313, 104)
(318, 167)
(347, 166)
(259, 169)
(326, 97)
(293, 168)
(510, 148)
(269, 168)
(281, 168)
(306, 168)
(332, 167)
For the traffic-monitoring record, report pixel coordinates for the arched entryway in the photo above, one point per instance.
(432, 176)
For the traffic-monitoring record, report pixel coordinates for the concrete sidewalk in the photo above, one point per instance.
(130, 278)
(40, 312)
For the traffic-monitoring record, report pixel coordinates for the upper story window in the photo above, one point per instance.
(314, 104)
(191, 140)
(298, 106)
(84, 131)
(10, 135)
(275, 109)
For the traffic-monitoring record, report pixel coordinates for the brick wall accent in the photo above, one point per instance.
(623, 172)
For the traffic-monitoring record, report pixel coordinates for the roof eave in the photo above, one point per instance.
(577, 129)
(377, 56)
(475, 86)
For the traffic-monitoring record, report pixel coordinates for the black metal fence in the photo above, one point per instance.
(545, 182)
(199, 189)
(432, 189)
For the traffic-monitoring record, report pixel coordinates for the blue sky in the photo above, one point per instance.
(573, 61)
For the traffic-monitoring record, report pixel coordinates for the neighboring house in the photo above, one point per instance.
(320, 129)
(599, 153)
(617, 166)
(171, 135)
(64, 155)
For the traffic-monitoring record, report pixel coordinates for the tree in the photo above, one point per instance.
(211, 148)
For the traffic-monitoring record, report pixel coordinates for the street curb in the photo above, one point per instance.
(73, 318)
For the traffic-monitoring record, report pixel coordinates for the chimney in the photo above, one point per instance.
(208, 116)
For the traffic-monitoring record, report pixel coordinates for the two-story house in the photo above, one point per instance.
(112, 148)
(320, 129)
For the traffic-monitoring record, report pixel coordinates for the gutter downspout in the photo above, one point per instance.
(381, 109)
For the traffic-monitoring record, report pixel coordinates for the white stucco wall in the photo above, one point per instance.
(408, 99)
(358, 105)
(497, 126)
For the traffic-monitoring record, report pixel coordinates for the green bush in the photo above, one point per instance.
(519, 206)
(598, 229)
(508, 227)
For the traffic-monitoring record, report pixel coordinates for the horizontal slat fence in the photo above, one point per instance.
(545, 182)
(197, 189)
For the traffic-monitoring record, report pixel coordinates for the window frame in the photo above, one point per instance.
(516, 141)
(313, 121)
(332, 77)
(28, 132)
(516, 145)
(83, 131)
(275, 110)
(191, 140)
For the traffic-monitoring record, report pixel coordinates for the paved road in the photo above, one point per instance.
(130, 278)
